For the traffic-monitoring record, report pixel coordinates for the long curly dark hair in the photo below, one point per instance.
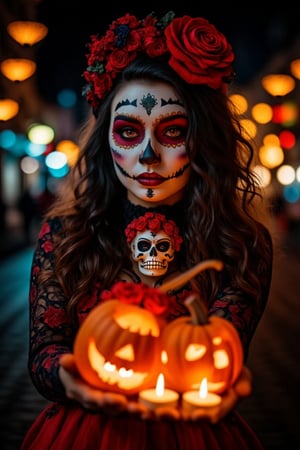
(219, 206)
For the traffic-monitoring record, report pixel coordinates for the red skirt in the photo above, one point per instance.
(68, 426)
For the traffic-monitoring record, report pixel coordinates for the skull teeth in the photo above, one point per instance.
(153, 265)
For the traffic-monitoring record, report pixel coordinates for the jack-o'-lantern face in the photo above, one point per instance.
(117, 347)
(212, 350)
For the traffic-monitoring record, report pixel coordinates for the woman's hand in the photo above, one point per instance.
(90, 398)
(241, 388)
(112, 403)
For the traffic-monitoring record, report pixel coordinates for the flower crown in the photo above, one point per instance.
(197, 51)
(154, 222)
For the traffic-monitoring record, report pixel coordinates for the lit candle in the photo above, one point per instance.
(200, 399)
(159, 397)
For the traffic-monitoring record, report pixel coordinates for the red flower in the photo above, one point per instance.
(155, 301)
(154, 225)
(200, 54)
(44, 230)
(197, 51)
(119, 59)
(47, 246)
(128, 292)
(53, 316)
(154, 222)
(138, 294)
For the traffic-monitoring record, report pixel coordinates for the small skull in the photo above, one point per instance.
(153, 252)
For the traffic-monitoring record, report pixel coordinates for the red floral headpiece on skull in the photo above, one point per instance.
(154, 222)
(197, 51)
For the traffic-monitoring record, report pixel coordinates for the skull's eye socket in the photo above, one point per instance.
(143, 245)
(163, 246)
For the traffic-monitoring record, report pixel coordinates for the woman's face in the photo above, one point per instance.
(147, 138)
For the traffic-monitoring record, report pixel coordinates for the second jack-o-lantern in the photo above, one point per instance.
(198, 347)
(117, 347)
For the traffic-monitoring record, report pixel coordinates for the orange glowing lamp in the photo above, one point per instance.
(27, 32)
(18, 69)
(8, 109)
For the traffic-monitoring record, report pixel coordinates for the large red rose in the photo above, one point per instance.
(200, 54)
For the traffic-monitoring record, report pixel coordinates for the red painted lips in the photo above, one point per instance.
(150, 179)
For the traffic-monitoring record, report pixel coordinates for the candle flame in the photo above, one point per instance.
(203, 388)
(160, 385)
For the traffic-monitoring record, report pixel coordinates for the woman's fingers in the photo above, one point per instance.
(68, 362)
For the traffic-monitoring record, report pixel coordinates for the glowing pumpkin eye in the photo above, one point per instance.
(126, 353)
(135, 322)
(164, 357)
(194, 352)
(221, 359)
(217, 340)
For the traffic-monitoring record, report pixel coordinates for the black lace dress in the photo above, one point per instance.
(65, 425)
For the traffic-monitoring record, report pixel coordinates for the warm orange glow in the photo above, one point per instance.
(278, 84)
(8, 109)
(134, 321)
(221, 359)
(195, 351)
(295, 68)
(200, 399)
(127, 359)
(271, 139)
(27, 32)
(18, 69)
(271, 156)
(126, 379)
(159, 397)
(240, 103)
(249, 128)
(262, 113)
(160, 385)
(70, 149)
(203, 388)
(286, 114)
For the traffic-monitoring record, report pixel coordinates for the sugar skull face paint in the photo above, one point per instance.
(147, 136)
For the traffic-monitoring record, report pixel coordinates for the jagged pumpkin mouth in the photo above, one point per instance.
(111, 374)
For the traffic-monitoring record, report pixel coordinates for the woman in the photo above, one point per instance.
(163, 139)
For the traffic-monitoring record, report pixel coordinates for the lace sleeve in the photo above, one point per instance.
(244, 312)
(51, 331)
(240, 312)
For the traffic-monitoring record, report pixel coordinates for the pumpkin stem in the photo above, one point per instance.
(191, 273)
(197, 310)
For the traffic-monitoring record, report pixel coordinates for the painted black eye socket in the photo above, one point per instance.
(143, 245)
(163, 246)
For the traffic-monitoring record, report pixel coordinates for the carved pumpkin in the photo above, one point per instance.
(117, 347)
(196, 347)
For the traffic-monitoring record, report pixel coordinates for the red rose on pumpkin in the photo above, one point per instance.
(128, 292)
(200, 54)
(155, 301)
(138, 294)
